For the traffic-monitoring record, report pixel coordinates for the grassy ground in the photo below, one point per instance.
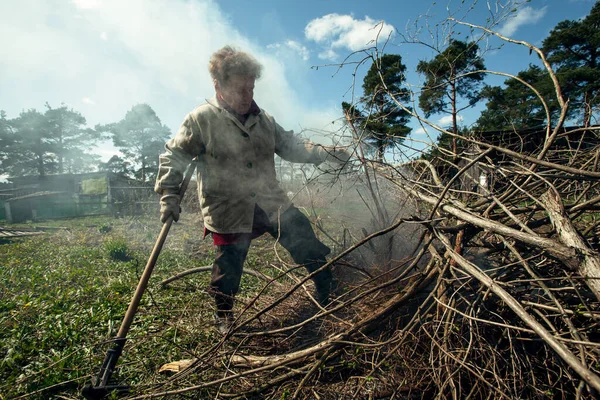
(64, 294)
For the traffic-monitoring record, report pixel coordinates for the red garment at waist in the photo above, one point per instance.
(221, 239)
(260, 226)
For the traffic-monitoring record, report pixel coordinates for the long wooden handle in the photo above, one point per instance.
(99, 388)
(143, 284)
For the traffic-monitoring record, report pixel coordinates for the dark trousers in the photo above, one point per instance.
(295, 234)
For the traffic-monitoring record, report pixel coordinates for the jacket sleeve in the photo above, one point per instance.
(179, 151)
(293, 148)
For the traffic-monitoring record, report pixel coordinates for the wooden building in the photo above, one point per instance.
(74, 195)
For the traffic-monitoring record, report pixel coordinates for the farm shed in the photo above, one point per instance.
(73, 195)
(41, 205)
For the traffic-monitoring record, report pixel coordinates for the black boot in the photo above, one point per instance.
(224, 315)
(223, 321)
(324, 289)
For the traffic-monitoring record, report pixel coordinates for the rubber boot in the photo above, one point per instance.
(224, 315)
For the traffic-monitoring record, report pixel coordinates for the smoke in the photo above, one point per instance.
(103, 57)
(347, 200)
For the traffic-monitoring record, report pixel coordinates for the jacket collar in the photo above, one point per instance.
(245, 121)
(214, 101)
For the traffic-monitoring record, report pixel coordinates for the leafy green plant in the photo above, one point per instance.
(117, 249)
(104, 228)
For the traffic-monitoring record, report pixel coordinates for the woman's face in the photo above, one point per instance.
(238, 92)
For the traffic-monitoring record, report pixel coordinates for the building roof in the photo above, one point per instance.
(36, 195)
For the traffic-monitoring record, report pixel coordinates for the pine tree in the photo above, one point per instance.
(574, 48)
(377, 115)
(450, 76)
(140, 136)
(70, 139)
(28, 150)
(516, 106)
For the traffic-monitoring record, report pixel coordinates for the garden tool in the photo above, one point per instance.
(100, 387)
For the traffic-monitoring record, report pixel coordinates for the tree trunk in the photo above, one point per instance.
(380, 150)
(587, 109)
(39, 155)
(143, 170)
(61, 167)
(454, 116)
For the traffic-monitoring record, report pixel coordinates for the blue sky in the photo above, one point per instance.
(103, 56)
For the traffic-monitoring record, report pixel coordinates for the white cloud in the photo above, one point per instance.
(343, 32)
(295, 48)
(524, 16)
(157, 54)
(419, 131)
(328, 54)
(447, 120)
(106, 150)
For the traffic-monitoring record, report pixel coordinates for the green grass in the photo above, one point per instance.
(63, 294)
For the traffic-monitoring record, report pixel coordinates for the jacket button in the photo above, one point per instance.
(244, 134)
(249, 165)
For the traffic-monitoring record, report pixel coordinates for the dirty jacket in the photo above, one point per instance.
(236, 168)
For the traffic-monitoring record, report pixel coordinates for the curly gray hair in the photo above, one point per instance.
(227, 62)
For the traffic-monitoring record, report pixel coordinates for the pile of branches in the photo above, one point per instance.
(515, 310)
(500, 298)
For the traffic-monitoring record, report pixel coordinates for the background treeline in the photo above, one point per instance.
(454, 81)
(58, 141)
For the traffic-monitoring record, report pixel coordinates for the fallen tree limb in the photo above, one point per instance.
(209, 268)
(566, 254)
(590, 263)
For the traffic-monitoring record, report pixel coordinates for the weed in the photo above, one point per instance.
(117, 249)
(104, 228)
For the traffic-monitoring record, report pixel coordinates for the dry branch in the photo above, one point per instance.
(589, 267)
(208, 268)
(590, 377)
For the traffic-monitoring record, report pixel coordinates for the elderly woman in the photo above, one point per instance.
(235, 143)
